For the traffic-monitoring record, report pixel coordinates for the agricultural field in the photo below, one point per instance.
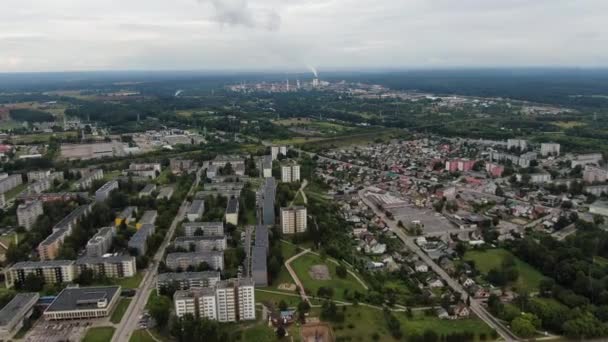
(315, 272)
(529, 278)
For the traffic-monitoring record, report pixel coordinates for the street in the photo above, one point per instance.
(476, 307)
(131, 317)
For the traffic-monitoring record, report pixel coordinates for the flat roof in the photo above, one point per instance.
(233, 206)
(101, 260)
(18, 304)
(261, 236)
(44, 263)
(258, 259)
(171, 276)
(196, 206)
(82, 298)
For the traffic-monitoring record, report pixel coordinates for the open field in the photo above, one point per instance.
(40, 138)
(529, 278)
(569, 124)
(120, 310)
(361, 323)
(302, 266)
(99, 334)
(9, 124)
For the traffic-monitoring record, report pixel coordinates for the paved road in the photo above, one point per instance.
(476, 307)
(135, 309)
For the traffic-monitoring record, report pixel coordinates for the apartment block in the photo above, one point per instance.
(203, 228)
(10, 182)
(229, 300)
(149, 217)
(592, 174)
(293, 220)
(183, 261)
(87, 176)
(147, 190)
(100, 243)
(549, 149)
(276, 150)
(186, 280)
(232, 211)
(290, 173)
(139, 239)
(196, 210)
(28, 213)
(115, 266)
(201, 243)
(52, 271)
(104, 191)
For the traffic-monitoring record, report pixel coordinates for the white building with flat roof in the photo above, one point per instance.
(550, 149)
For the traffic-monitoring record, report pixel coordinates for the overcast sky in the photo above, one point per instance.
(59, 35)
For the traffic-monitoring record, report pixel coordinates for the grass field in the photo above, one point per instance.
(128, 283)
(362, 322)
(569, 124)
(302, 265)
(529, 278)
(15, 191)
(99, 334)
(141, 336)
(9, 124)
(39, 137)
(120, 310)
(258, 333)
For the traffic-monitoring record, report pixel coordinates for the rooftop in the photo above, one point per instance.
(82, 298)
(11, 310)
(175, 276)
(46, 263)
(233, 206)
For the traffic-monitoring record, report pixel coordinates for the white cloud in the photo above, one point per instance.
(37, 35)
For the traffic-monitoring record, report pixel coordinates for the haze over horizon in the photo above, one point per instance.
(69, 35)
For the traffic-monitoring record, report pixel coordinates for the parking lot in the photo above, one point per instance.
(431, 221)
(45, 331)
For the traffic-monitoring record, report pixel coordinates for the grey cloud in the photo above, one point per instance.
(240, 13)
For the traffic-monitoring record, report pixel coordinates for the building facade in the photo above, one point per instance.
(293, 220)
(28, 213)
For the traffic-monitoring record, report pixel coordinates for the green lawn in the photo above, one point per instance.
(99, 334)
(529, 278)
(258, 333)
(362, 322)
(141, 336)
(120, 310)
(110, 175)
(15, 191)
(129, 283)
(302, 265)
(291, 298)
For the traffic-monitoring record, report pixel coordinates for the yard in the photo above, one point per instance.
(302, 266)
(129, 283)
(362, 323)
(529, 278)
(120, 310)
(99, 334)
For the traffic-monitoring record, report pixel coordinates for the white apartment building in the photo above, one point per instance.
(276, 150)
(549, 148)
(28, 213)
(293, 220)
(520, 144)
(290, 173)
(230, 300)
